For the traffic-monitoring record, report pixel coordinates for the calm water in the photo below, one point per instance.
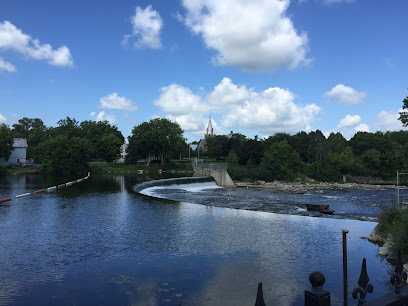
(99, 242)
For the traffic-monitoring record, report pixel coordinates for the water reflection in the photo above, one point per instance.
(99, 243)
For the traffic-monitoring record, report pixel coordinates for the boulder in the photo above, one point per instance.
(375, 237)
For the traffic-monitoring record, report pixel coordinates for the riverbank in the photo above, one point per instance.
(297, 187)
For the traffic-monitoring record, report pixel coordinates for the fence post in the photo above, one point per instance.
(259, 296)
(399, 274)
(364, 286)
(317, 296)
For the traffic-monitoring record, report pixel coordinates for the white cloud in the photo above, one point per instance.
(388, 121)
(92, 114)
(12, 38)
(361, 128)
(178, 100)
(345, 95)
(2, 119)
(102, 116)
(146, 27)
(253, 35)
(4, 65)
(270, 111)
(349, 121)
(113, 101)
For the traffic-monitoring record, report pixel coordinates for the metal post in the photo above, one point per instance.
(397, 188)
(345, 298)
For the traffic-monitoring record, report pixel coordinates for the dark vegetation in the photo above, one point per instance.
(293, 157)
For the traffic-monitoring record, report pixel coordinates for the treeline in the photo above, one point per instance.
(289, 157)
(67, 148)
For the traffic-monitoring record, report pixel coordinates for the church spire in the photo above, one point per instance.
(210, 130)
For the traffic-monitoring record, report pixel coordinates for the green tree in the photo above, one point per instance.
(404, 114)
(156, 138)
(94, 131)
(63, 155)
(34, 130)
(280, 162)
(109, 147)
(6, 142)
(67, 127)
(217, 146)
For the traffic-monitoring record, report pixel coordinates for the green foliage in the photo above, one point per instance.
(63, 155)
(281, 162)
(156, 138)
(34, 130)
(3, 171)
(404, 114)
(394, 221)
(109, 147)
(216, 147)
(6, 142)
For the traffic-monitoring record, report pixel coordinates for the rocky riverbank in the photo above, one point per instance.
(385, 247)
(303, 187)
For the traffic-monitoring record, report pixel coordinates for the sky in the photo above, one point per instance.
(255, 67)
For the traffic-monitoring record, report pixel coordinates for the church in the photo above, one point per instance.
(209, 133)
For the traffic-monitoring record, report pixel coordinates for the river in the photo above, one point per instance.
(100, 242)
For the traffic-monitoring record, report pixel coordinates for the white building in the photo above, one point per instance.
(18, 155)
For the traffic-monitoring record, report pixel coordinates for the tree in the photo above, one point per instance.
(6, 142)
(404, 114)
(156, 138)
(63, 155)
(34, 130)
(280, 162)
(67, 127)
(109, 147)
(217, 146)
(94, 131)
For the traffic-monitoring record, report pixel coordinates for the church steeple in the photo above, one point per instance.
(210, 130)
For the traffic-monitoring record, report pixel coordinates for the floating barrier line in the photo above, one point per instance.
(47, 189)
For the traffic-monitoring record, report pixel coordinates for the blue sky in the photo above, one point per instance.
(258, 67)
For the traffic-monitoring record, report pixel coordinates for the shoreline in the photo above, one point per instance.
(302, 187)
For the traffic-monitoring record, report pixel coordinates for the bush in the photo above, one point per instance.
(394, 221)
(3, 171)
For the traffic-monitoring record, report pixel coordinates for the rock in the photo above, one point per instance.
(406, 268)
(375, 237)
(385, 249)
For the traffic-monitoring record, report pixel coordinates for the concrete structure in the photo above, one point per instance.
(18, 155)
(217, 171)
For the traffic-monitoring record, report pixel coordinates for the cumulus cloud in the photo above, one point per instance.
(362, 127)
(4, 65)
(388, 121)
(12, 38)
(345, 95)
(102, 116)
(146, 27)
(272, 110)
(2, 119)
(252, 35)
(114, 101)
(349, 121)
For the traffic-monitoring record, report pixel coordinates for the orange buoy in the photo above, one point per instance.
(5, 200)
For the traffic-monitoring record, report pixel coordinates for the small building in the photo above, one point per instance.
(18, 155)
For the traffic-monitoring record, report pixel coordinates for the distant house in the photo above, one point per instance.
(18, 155)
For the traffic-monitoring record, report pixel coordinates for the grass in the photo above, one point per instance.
(23, 170)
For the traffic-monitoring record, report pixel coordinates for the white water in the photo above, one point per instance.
(195, 187)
